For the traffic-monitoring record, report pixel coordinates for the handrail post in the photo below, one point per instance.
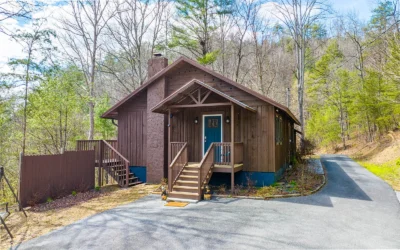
(126, 174)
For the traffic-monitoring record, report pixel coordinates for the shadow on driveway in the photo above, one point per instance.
(342, 182)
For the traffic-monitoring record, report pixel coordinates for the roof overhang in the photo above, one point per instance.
(187, 92)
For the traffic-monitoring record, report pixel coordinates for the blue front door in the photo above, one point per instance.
(212, 131)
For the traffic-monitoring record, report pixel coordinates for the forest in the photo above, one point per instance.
(338, 73)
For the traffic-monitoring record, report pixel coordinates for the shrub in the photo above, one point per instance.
(309, 147)
(73, 193)
(97, 188)
(49, 200)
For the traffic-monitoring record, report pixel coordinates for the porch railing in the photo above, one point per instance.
(223, 153)
(177, 165)
(175, 148)
(205, 167)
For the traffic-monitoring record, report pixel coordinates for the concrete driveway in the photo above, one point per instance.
(355, 209)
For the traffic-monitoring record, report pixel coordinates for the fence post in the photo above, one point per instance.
(100, 166)
(20, 178)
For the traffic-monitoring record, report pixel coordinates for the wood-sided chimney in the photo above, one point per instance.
(156, 64)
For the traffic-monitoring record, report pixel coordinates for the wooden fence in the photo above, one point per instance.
(53, 176)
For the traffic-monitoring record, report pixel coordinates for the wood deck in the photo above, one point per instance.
(219, 168)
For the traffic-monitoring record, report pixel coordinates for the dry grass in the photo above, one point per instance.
(39, 223)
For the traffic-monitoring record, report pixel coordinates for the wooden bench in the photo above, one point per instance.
(4, 213)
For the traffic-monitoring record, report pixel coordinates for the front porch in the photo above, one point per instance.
(204, 137)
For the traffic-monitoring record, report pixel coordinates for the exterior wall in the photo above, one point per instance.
(255, 130)
(132, 130)
(283, 152)
(258, 138)
(142, 133)
(183, 129)
(156, 131)
(176, 78)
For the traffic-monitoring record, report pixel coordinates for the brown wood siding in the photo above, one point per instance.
(282, 152)
(185, 130)
(178, 77)
(258, 135)
(132, 134)
(255, 130)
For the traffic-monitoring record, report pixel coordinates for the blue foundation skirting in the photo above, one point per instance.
(257, 179)
(139, 171)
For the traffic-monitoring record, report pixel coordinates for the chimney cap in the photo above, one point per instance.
(157, 54)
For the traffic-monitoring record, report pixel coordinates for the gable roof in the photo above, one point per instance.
(190, 87)
(112, 111)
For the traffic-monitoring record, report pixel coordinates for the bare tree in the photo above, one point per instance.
(14, 9)
(81, 41)
(134, 34)
(245, 17)
(299, 16)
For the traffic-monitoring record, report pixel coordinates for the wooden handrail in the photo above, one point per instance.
(177, 165)
(178, 154)
(118, 153)
(175, 148)
(205, 166)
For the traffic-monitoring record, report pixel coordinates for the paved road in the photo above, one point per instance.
(355, 209)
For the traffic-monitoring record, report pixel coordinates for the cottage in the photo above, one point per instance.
(193, 125)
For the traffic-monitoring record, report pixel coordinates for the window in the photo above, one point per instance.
(213, 123)
(278, 130)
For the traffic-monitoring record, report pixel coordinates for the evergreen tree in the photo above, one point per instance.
(196, 26)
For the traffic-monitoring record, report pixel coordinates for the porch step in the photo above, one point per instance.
(187, 183)
(192, 177)
(183, 195)
(193, 166)
(185, 171)
(187, 189)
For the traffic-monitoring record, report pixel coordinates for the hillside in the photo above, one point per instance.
(381, 157)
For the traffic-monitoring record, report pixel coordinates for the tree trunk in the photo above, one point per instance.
(91, 118)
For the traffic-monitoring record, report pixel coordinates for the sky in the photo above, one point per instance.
(11, 49)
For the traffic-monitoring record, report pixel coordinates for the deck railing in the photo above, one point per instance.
(85, 145)
(177, 165)
(205, 167)
(105, 153)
